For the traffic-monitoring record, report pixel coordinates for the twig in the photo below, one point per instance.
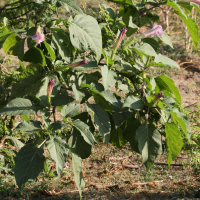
(148, 183)
(43, 142)
(161, 115)
(173, 164)
(128, 166)
(54, 113)
(190, 105)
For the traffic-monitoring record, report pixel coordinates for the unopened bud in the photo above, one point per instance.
(49, 91)
(78, 64)
(159, 95)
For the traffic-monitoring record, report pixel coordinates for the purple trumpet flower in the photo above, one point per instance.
(78, 64)
(156, 30)
(38, 37)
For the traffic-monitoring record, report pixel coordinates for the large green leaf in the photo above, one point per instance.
(161, 60)
(15, 45)
(173, 141)
(31, 126)
(61, 99)
(149, 143)
(58, 150)
(108, 77)
(145, 48)
(29, 162)
(78, 177)
(78, 94)
(69, 5)
(35, 55)
(166, 39)
(29, 84)
(190, 23)
(134, 103)
(62, 41)
(70, 110)
(101, 120)
(85, 34)
(84, 130)
(18, 106)
(130, 133)
(166, 83)
(78, 145)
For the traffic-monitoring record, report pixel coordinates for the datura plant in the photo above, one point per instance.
(71, 73)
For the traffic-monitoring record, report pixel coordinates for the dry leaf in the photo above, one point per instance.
(181, 183)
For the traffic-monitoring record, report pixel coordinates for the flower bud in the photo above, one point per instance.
(119, 39)
(49, 91)
(78, 64)
(159, 95)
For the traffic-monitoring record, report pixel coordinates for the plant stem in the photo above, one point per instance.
(54, 113)
(43, 142)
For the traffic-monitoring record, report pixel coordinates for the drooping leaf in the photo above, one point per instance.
(70, 110)
(85, 34)
(117, 139)
(165, 83)
(149, 143)
(78, 145)
(166, 39)
(108, 77)
(173, 141)
(162, 61)
(56, 126)
(18, 106)
(78, 94)
(101, 120)
(189, 22)
(61, 99)
(29, 162)
(78, 177)
(31, 126)
(84, 130)
(35, 55)
(17, 143)
(129, 134)
(58, 150)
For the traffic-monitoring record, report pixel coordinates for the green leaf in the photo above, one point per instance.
(117, 139)
(145, 48)
(78, 94)
(69, 5)
(78, 145)
(70, 110)
(14, 44)
(102, 121)
(162, 61)
(58, 150)
(78, 177)
(152, 42)
(182, 116)
(56, 126)
(165, 83)
(109, 96)
(31, 126)
(134, 103)
(173, 141)
(108, 77)
(50, 50)
(62, 41)
(166, 39)
(190, 23)
(29, 84)
(85, 34)
(35, 55)
(149, 143)
(130, 133)
(84, 130)
(29, 162)
(16, 142)
(61, 99)
(18, 106)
